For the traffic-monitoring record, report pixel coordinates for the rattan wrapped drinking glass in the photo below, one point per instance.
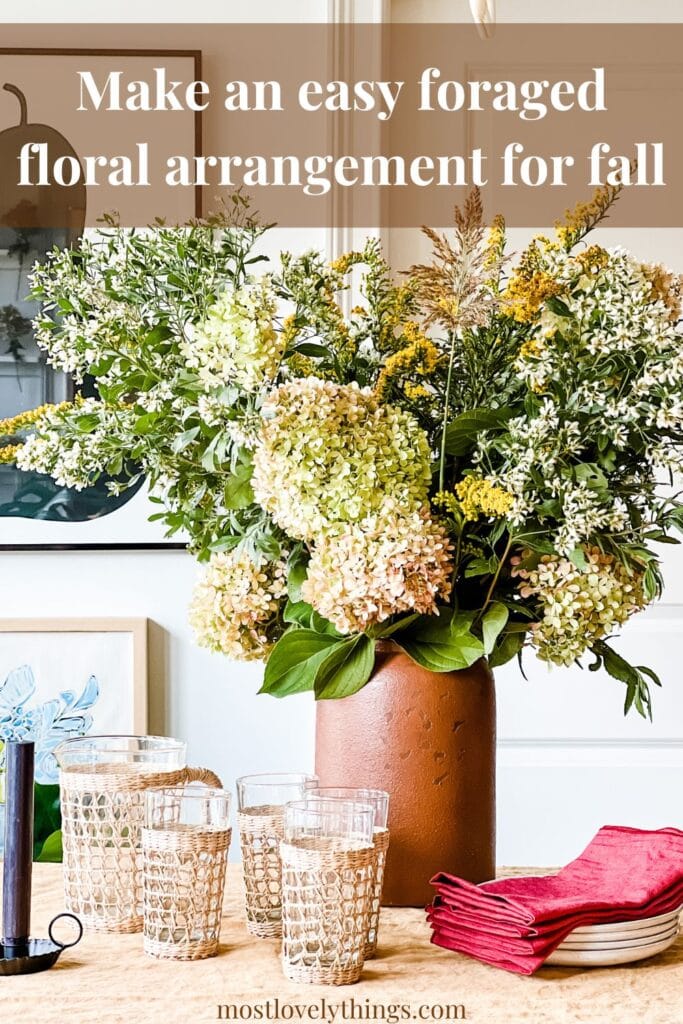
(261, 803)
(327, 889)
(185, 844)
(378, 799)
(103, 780)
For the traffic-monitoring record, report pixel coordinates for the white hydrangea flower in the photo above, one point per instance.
(235, 605)
(578, 606)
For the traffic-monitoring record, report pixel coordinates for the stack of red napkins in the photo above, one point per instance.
(624, 874)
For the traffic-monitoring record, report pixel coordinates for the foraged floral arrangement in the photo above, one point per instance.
(471, 460)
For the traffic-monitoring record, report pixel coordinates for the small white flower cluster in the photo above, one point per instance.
(79, 320)
(236, 603)
(604, 358)
(72, 459)
(584, 514)
(237, 342)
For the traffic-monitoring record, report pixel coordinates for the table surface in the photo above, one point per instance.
(108, 979)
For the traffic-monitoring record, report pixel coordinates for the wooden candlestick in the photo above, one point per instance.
(18, 860)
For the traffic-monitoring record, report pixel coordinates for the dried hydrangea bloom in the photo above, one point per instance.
(237, 342)
(235, 605)
(331, 453)
(363, 573)
(578, 606)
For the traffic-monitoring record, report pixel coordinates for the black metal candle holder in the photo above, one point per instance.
(20, 953)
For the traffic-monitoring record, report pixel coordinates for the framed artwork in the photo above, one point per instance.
(35, 512)
(61, 678)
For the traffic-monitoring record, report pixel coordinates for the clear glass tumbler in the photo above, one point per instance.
(185, 845)
(261, 802)
(327, 889)
(379, 799)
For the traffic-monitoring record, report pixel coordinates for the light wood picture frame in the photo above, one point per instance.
(71, 676)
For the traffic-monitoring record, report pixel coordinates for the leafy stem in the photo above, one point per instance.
(446, 407)
(496, 576)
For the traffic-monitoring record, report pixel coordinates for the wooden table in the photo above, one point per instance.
(108, 979)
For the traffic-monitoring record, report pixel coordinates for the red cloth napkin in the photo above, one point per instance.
(624, 874)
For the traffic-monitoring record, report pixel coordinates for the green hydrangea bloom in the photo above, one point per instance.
(331, 453)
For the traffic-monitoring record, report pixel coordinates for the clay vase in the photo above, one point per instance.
(429, 739)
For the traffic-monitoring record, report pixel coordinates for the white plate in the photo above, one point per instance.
(627, 943)
(607, 957)
(593, 930)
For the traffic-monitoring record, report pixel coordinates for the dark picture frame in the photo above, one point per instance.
(24, 533)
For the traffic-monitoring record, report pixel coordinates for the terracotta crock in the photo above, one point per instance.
(429, 739)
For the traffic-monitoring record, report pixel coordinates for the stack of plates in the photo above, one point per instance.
(604, 945)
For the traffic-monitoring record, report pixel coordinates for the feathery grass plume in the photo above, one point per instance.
(454, 289)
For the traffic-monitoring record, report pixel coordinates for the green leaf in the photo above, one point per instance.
(102, 366)
(225, 544)
(238, 490)
(509, 645)
(294, 661)
(481, 567)
(346, 668)
(298, 612)
(442, 643)
(634, 677)
(208, 459)
(462, 432)
(578, 558)
(298, 569)
(51, 853)
(309, 348)
(181, 442)
(531, 537)
(557, 306)
(494, 621)
(321, 625)
(46, 815)
(157, 334)
(591, 475)
(146, 423)
(394, 627)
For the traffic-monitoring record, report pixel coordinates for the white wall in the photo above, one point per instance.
(195, 695)
(568, 760)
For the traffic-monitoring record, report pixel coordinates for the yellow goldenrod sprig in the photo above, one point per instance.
(447, 501)
(420, 356)
(478, 496)
(494, 253)
(343, 263)
(474, 496)
(24, 420)
(584, 217)
(8, 454)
